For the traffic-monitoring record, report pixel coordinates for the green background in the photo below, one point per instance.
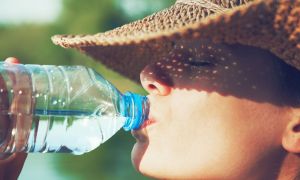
(31, 44)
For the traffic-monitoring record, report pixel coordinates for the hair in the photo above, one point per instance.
(289, 77)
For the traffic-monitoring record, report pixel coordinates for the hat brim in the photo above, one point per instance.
(273, 25)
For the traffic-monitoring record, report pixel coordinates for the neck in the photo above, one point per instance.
(279, 166)
(290, 168)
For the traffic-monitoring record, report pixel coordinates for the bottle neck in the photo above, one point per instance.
(135, 108)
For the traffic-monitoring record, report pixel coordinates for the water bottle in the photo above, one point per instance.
(72, 109)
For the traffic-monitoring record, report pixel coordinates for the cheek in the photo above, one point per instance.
(210, 136)
(188, 139)
(189, 145)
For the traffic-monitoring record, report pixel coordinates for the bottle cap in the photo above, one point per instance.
(139, 111)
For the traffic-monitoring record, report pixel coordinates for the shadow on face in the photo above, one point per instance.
(230, 70)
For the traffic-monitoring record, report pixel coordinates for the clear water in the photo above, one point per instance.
(71, 132)
(57, 109)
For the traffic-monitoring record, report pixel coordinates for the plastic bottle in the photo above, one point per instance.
(69, 109)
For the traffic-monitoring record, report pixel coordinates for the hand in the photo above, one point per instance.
(11, 166)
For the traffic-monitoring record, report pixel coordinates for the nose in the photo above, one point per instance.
(155, 81)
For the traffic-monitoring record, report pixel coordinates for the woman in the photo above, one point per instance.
(223, 83)
(228, 113)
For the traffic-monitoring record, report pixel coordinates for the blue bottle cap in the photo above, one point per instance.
(138, 112)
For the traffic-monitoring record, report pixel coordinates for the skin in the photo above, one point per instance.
(10, 168)
(217, 112)
(11, 164)
(222, 115)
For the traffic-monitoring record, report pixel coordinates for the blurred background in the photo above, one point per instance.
(25, 30)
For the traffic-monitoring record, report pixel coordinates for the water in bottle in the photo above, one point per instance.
(62, 109)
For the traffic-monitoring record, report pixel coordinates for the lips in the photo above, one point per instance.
(141, 134)
(147, 122)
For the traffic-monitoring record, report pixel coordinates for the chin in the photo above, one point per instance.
(140, 163)
(152, 166)
(137, 154)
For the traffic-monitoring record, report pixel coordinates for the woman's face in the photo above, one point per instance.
(215, 113)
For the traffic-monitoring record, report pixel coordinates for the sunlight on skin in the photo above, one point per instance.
(214, 108)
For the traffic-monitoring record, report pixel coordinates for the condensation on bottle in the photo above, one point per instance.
(70, 109)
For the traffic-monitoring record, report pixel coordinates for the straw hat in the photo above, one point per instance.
(273, 25)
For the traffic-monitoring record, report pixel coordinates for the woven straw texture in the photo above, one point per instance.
(269, 24)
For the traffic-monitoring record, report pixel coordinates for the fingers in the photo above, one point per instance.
(21, 104)
(11, 164)
(14, 167)
(11, 169)
(12, 60)
(6, 158)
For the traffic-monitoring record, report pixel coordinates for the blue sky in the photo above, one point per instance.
(29, 11)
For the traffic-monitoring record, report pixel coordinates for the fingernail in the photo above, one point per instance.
(12, 60)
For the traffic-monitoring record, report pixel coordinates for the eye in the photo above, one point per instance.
(200, 63)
